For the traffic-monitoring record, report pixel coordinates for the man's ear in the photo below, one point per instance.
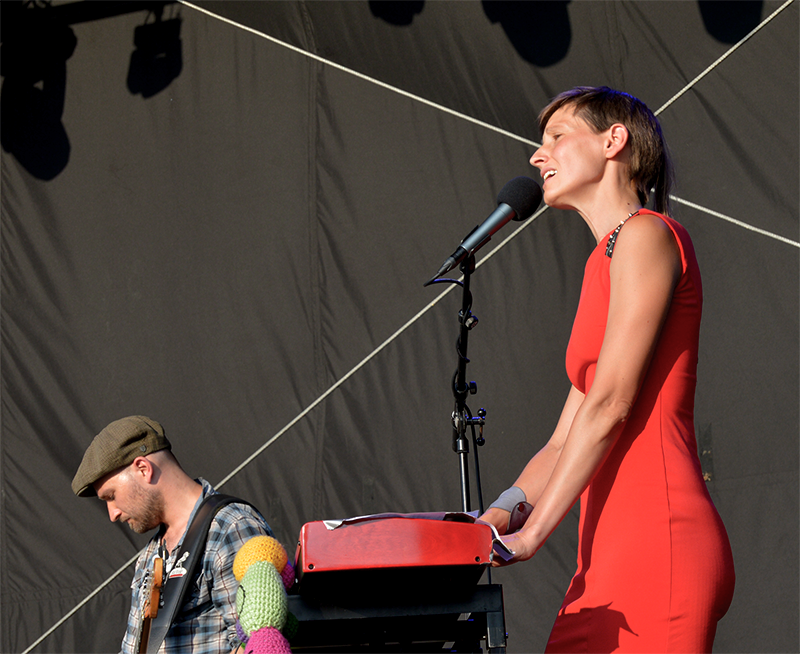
(617, 137)
(142, 467)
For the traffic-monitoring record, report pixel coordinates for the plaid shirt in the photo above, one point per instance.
(206, 623)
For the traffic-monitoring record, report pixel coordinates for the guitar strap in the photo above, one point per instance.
(193, 546)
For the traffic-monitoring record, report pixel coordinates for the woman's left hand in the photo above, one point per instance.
(522, 543)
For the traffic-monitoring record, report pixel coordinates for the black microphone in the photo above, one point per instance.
(517, 200)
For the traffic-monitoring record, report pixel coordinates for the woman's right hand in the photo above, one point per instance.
(498, 518)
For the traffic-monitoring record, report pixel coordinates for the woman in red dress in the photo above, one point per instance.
(655, 571)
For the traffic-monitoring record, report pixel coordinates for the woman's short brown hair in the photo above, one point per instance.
(601, 107)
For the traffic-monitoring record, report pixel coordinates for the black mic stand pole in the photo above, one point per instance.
(462, 418)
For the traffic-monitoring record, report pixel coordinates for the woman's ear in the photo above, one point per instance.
(616, 139)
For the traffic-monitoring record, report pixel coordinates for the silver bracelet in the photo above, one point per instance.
(509, 498)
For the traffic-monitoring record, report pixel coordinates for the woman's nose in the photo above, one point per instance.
(537, 158)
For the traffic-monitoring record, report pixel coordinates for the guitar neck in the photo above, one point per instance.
(152, 593)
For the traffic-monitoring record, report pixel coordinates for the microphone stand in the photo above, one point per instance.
(462, 417)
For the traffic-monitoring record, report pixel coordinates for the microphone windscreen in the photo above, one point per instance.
(523, 195)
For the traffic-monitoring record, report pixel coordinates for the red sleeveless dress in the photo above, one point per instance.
(655, 571)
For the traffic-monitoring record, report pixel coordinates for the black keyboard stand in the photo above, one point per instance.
(465, 622)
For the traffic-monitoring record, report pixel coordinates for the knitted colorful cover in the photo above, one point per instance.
(264, 573)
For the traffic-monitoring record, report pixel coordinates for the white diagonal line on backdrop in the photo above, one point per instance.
(355, 73)
(511, 135)
(433, 303)
(739, 223)
(372, 354)
(727, 54)
(81, 604)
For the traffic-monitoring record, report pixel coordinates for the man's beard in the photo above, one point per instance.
(149, 511)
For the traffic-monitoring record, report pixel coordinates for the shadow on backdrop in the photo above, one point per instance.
(157, 58)
(36, 41)
(729, 21)
(539, 31)
(33, 63)
(396, 12)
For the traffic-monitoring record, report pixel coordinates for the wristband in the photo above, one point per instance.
(508, 499)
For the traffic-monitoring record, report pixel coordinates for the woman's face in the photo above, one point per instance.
(571, 160)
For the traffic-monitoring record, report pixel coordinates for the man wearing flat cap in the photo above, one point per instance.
(130, 466)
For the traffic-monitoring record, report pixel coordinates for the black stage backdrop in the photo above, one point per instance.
(222, 215)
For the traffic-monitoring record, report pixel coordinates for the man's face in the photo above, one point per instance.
(129, 501)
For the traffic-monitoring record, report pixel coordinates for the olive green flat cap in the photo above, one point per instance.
(117, 446)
